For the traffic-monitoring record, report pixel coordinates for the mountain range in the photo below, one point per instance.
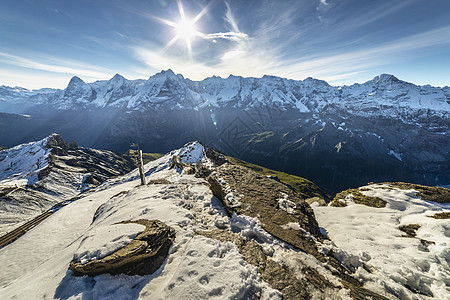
(384, 129)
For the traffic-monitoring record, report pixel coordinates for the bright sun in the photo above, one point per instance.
(184, 29)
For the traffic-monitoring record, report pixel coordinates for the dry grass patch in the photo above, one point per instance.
(429, 193)
(442, 215)
(358, 198)
(409, 229)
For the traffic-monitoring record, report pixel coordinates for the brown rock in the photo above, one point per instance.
(142, 256)
(259, 197)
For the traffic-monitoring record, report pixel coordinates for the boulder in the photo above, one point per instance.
(142, 256)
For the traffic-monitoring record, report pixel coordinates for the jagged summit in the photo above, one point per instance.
(75, 81)
(166, 73)
(315, 81)
(384, 78)
(37, 175)
(117, 79)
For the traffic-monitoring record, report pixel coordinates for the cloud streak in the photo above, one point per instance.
(234, 36)
(55, 65)
(338, 41)
(230, 19)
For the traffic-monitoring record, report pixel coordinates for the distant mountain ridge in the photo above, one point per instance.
(171, 91)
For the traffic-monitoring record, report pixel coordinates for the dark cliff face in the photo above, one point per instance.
(334, 150)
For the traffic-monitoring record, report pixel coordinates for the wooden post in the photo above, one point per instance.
(141, 167)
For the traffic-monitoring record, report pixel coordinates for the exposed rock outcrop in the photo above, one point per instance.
(281, 211)
(142, 256)
(278, 276)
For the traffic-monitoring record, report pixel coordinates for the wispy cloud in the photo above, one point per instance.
(324, 5)
(234, 36)
(242, 57)
(55, 65)
(283, 38)
(329, 66)
(247, 57)
(31, 80)
(230, 19)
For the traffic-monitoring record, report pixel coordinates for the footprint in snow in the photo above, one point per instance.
(204, 280)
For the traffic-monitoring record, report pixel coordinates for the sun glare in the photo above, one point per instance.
(184, 29)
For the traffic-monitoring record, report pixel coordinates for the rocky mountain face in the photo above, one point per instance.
(383, 129)
(36, 176)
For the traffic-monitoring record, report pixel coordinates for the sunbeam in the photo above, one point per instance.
(184, 28)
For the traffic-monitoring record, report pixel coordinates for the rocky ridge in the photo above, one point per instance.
(278, 215)
(38, 175)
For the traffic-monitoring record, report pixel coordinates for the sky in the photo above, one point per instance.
(43, 43)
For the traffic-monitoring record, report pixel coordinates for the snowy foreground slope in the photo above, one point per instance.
(222, 250)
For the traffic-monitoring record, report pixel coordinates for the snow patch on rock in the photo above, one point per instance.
(100, 241)
(286, 204)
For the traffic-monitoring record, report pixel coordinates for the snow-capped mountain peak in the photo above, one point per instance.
(382, 78)
(173, 91)
(117, 80)
(165, 74)
(75, 82)
(77, 91)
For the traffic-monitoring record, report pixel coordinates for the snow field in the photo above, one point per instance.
(283, 253)
(19, 167)
(372, 234)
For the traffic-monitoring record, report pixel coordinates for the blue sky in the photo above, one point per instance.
(43, 43)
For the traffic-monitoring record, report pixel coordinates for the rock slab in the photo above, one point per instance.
(142, 256)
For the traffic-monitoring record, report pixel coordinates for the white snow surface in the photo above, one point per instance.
(193, 152)
(230, 197)
(286, 204)
(19, 169)
(372, 235)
